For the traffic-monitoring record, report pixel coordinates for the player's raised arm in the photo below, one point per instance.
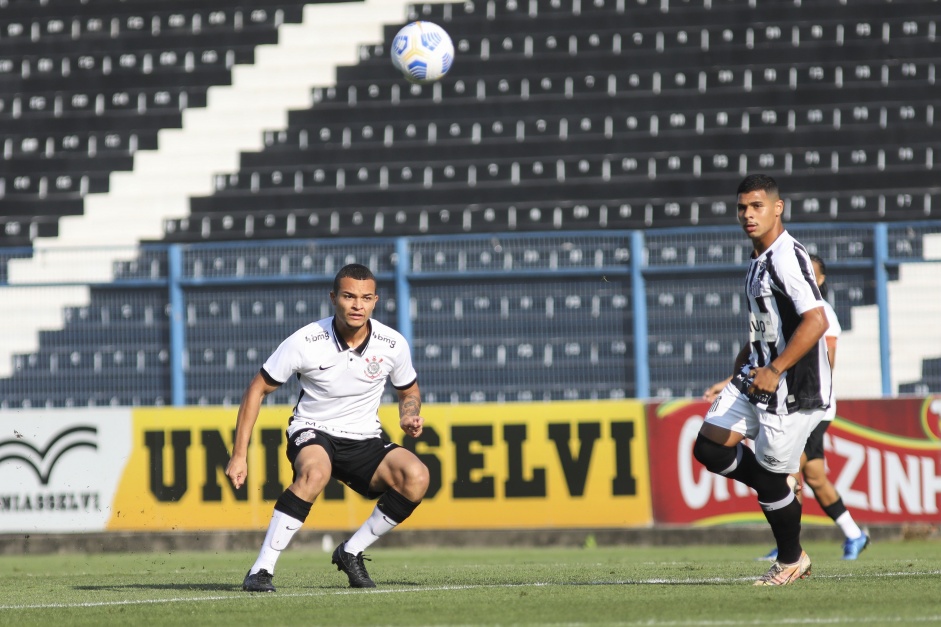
(260, 387)
(410, 410)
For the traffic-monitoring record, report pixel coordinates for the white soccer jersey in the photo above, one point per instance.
(780, 286)
(835, 330)
(341, 387)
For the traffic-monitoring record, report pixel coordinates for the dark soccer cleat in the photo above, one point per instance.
(353, 566)
(259, 582)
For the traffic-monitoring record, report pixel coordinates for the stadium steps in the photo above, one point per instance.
(162, 181)
(914, 335)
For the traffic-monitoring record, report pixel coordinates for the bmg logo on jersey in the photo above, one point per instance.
(323, 335)
(373, 367)
(382, 338)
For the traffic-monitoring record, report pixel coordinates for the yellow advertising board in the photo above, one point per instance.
(521, 465)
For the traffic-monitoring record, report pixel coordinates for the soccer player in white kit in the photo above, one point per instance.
(342, 364)
(781, 384)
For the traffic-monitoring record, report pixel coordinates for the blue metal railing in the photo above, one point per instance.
(612, 256)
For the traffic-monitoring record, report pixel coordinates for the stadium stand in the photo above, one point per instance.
(652, 88)
(930, 381)
(193, 141)
(208, 122)
(87, 85)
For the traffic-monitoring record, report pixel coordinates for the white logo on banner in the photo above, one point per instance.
(58, 469)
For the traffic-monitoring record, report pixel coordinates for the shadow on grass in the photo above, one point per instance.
(229, 587)
(400, 583)
(345, 586)
(194, 587)
(224, 587)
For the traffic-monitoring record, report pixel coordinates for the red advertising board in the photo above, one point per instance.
(883, 457)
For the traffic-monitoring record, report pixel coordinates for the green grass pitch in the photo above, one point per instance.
(893, 583)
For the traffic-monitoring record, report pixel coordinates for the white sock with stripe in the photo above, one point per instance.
(280, 531)
(850, 529)
(376, 526)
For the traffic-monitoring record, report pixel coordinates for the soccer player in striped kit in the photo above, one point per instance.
(342, 364)
(813, 464)
(781, 382)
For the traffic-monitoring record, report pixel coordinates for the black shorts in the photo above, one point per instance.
(353, 462)
(814, 447)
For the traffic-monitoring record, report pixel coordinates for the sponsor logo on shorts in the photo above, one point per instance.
(305, 436)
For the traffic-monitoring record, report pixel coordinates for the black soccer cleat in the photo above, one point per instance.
(259, 582)
(353, 566)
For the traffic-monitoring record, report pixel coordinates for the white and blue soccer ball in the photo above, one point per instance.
(423, 52)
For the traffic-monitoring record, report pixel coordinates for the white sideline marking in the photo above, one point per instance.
(240, 595)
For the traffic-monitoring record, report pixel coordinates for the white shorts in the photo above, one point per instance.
(779, 439)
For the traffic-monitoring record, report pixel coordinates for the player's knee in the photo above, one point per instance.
(416, 480)
(814, 470)
(816, 482)
(410, 477)
(311, 480)
(421, 479)
(715, 457)
(771, 487)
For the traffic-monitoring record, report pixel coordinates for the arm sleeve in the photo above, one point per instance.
(403, 374)
(284, 361)
(799, 282)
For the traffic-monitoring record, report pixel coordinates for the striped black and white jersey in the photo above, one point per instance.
(780, 286)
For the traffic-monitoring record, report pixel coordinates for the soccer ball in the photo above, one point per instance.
(423, 52)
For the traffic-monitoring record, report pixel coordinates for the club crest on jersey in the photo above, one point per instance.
(755, 286)
(373, 369)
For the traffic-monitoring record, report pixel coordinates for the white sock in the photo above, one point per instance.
(850, 529)
(280, 531)
(376, 526)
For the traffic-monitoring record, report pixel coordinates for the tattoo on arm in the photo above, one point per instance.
(409, 405)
